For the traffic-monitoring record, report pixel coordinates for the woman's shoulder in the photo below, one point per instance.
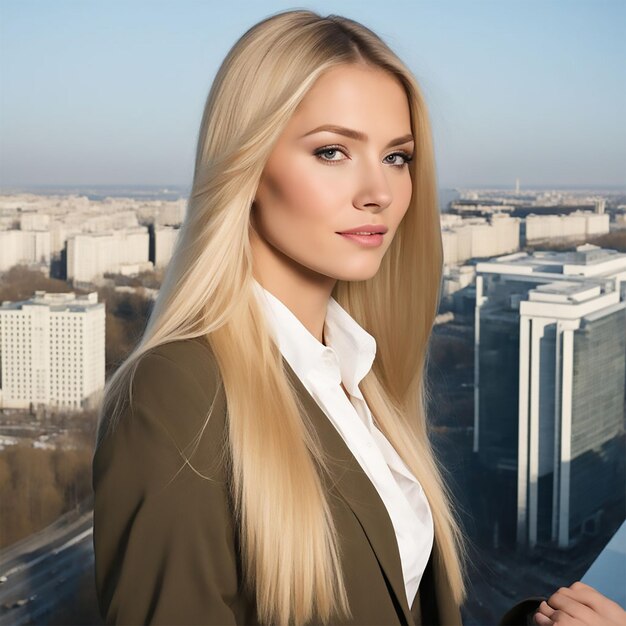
(173, 389)
(180, 363)
(181, 371)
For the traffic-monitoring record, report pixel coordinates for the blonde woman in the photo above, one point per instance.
(263, 455)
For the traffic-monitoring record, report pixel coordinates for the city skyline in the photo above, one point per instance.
(113, 94)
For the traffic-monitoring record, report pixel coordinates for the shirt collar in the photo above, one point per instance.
(347, 356)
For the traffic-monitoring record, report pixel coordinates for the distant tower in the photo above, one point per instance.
(600, 204)
(516, 186)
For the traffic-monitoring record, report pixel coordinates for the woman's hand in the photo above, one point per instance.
(579, 605)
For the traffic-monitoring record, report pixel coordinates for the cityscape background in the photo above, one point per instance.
(100, 106)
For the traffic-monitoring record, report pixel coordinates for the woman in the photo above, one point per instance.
(240, 475)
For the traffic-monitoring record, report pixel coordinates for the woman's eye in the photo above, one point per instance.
(326, 151)
(406, 158)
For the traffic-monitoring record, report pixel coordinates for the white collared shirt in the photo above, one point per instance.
(347, 358)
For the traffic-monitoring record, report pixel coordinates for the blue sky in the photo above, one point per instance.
(112, 92)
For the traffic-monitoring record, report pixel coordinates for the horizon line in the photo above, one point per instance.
(178, 186)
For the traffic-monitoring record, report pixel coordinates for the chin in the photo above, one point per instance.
(356, 275)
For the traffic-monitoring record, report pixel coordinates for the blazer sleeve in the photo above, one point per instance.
(164, 543)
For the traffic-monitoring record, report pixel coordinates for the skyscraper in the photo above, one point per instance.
(550, 341)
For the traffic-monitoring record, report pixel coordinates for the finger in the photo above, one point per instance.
(598, 602)
(545, 609)
(560, 618)
(564, 600)
(542, 620)
(587, 595)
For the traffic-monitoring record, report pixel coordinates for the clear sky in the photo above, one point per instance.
(112, 92)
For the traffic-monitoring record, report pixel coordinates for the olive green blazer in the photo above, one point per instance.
(165, 546)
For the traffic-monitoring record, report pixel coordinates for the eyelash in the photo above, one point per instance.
(407, 157)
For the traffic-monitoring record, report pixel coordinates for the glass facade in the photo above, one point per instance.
(498, 363)
(599, 370)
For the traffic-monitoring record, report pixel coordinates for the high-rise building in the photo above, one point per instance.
(90, 255)
(52, 351)
(550, 374)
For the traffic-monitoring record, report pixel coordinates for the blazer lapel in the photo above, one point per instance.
(416, 609)
(360, 494)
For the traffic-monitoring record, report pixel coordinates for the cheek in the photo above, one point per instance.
(300, 196)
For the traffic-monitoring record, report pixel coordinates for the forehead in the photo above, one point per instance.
(363, 98)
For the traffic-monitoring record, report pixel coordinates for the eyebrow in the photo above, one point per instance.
(355, 134)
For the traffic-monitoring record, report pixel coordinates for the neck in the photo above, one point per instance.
(306, 299)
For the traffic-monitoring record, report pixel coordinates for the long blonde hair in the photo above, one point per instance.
(293, 566)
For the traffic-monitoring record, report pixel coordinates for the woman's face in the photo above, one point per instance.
(320, 182)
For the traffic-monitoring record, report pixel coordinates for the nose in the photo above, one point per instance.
(374, 191)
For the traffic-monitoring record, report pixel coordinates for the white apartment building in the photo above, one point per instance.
(577, 224)
(23, 246)
(457, 277)
(171, 213)
(473, 237)
(89, 256)
(164, 241)
(52, 351)
(34, 220)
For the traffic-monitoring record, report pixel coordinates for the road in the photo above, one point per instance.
(40, 570)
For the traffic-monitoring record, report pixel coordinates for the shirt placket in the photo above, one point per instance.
(375, 466)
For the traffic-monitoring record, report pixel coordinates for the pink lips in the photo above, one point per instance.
(366, 228)
(370, 241)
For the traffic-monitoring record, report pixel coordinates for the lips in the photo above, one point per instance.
(370, 240)
(366, 229)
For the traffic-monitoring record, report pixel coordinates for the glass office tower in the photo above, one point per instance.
(550, 372)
